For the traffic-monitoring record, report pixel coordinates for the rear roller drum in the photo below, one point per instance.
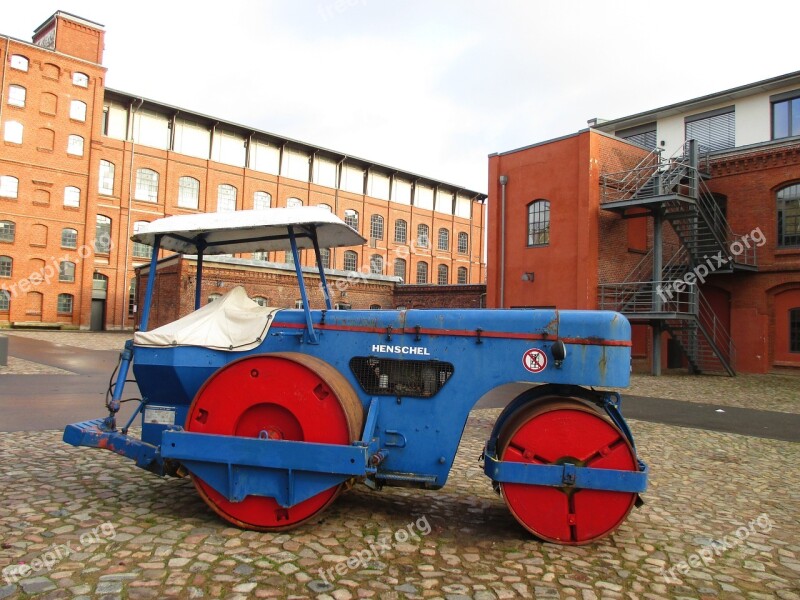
(558, 431)
(286, 396)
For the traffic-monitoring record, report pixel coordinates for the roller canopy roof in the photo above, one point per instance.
(248, 231)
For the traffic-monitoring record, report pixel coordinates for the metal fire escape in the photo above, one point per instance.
(673, 190)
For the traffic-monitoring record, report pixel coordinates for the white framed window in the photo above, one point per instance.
(261, 301)
(72, 196)
(444, 239)
(77, 110)
(102, 235)
(463, 243)
(8, 230)
(106, 182)
(423, 235)
(350, 260)
(9, 186)
(376, 227)
(400, 231)
(146, 185)
(324, 206)
(19, 62)
(376, 264)
(188, 192)
(16, 95)
(66, 271)
(442, 275)
(6, 266)
(422, 272)
(69, 238)
(298, 304)
(75, 145)
(262, 200)
(261, 255)
(80, 79)
(5, 301)
(64, 306)
(12, 132)
(325, 258)
(400, 269)
(462, 275)
(212, 297)
(226, 198)
(140, 250)
(293, 202)
(351, 218)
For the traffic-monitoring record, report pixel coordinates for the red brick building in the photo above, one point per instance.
(685, 218)
(82, 166)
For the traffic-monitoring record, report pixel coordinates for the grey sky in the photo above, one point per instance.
(431, 87)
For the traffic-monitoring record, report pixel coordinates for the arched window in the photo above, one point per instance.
(325, 258)
(444, 239)
(16, 95)
(374, 306)
(226, 198)
(462, 274)
(72, 196)
(261, 200)
(5, 301)
(463, 243)
(351, 218)
(400, 231)
(422, 272)
(400, 269)
(102, 235)
(261, 301)
(19, 62)
(376, 227)
(65, 304)
(788, 205)
(146, 185)
(423, 235)
(77, 110)
(188, 192)
(141, 250)
(324, 206)
(8, 230)
(212, 297)
(105, 184)
(80, 79)
(69, 238)
(6, 266)
(293, 202)
(75, 145)
(9, 186)
(12, 132)
(350, 260)
(539, 223)
(376, 264)
(66, 271)
(442, 275)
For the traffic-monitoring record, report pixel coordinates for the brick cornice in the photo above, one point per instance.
(758, 160)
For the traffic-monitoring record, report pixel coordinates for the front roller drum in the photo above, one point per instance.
(282, 396)
(555, 431)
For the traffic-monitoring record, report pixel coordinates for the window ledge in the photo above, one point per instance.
(786, 363)
(12, 144)
(75, 208)
(48, 150)
(66, 281)
(39, 245)
(37, 203)
(787, 251)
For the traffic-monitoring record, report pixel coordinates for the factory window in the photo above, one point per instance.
(66, 271)
(72, 196)
(325, 258)
(463, 243)
(422, 272)
(400, 231)
(794, 330)
(293, 202)
(376, 264)
(226, 198)
(6, 266)
(19, 62)
(713, 130)
(785, 114)
(132, 298)
(65, 304)
(146, 185)
(102, 235)
(261, 301)
(539, 223)
(16, 95)
(351, 218)
(7, 231)
(444, 239)
(299, 304)
(9, 186)
(13, 132)
(77, 110)
(423, 235)
(376, 227)
(212, 297)
(5, 301)
(80, 79)
(75, 145)
(462, 274)
(400, 269)
(188, 192)
(261, 200)
(442, 275)
(788, 204)
(140, 250)
(326, 207)
(106, 183)
(374, 306)
(261, 255)
(350, 260)
(69, 238)
(288, 258)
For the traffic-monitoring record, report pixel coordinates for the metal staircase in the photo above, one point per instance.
(673, 190)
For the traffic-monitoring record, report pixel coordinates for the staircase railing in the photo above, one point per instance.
(718, 336)
(722, 229)
(624, 184)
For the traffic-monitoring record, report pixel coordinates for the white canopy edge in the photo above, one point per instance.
(249, 231)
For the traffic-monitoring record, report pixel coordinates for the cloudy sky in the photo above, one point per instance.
(430, 86)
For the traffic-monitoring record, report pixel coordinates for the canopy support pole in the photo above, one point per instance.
(151, 279)
(322, 280)
(201, 246)
(298, 268)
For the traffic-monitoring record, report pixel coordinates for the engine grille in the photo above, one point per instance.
(391, 377)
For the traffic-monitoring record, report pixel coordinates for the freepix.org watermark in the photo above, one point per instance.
(362, 558)
(711, 264)
(705, 555)
(58, 552)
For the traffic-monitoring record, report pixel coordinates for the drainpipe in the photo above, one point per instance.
(503, 182)
(130, 206)
(3, 81)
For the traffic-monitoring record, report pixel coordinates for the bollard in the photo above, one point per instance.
(3, 350)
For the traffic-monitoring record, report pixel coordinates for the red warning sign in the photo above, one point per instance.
(534, 360)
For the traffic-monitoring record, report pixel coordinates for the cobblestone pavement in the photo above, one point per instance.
(154, 538)
(19, 366)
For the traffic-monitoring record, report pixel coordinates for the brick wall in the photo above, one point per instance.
(436, 296)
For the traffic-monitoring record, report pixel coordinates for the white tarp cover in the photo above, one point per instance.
(233, 322)
(249, 230)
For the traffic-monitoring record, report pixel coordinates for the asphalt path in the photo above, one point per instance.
(42, 402)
